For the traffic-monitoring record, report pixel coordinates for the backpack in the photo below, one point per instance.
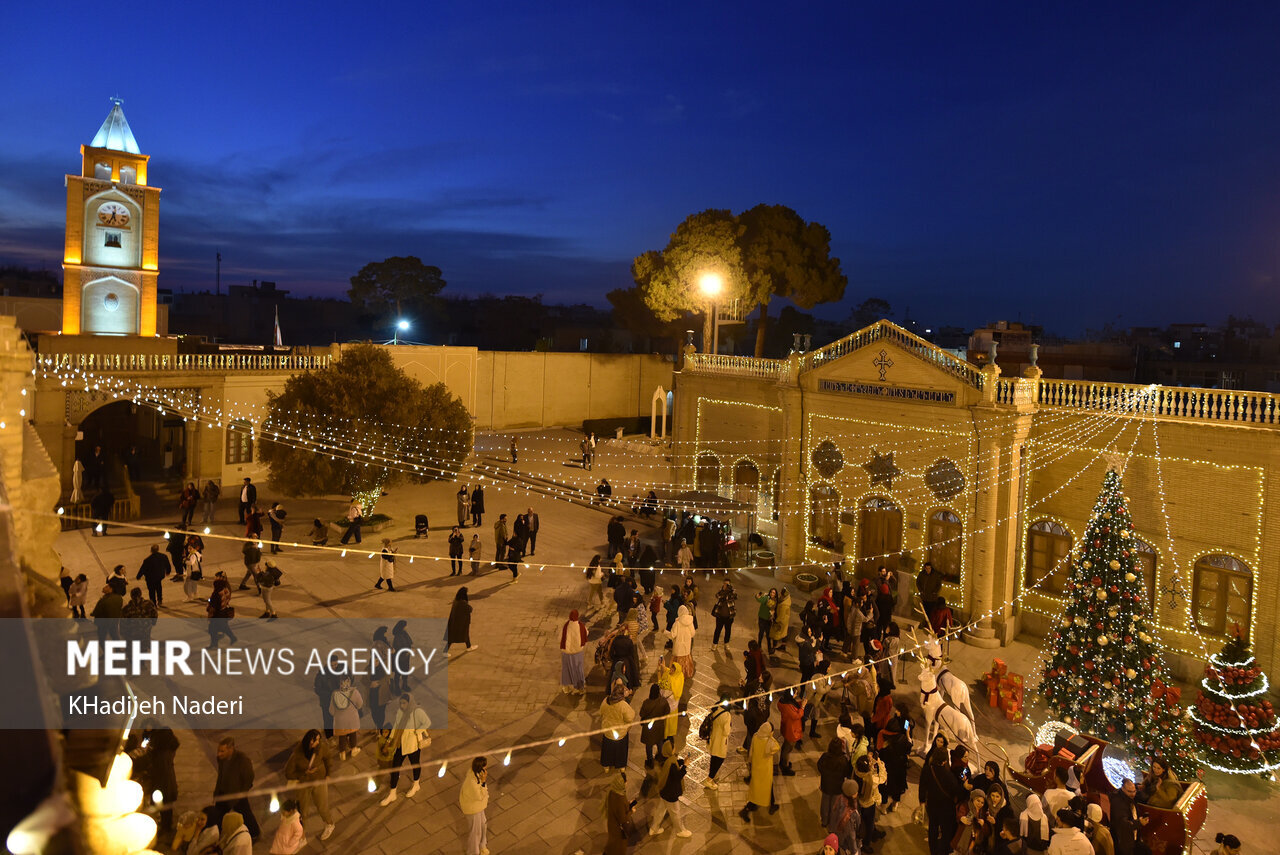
(704, 729)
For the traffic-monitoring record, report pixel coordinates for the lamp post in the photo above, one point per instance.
(711, 284)
(402, 325)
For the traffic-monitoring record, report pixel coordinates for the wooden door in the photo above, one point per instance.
(879, 536)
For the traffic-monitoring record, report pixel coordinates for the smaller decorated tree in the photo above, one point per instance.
(1104, 672)
(1234, 722)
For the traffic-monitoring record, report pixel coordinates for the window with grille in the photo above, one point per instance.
(239, 442)
(1223, 595)
(1048, 556)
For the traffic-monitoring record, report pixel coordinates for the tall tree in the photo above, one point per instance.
(1104, 672)
(768, 251)
(381, 416)
(396, 285)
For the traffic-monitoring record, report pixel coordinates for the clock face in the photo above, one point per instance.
(113, 214)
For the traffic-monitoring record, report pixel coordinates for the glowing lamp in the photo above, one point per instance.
(711, 284)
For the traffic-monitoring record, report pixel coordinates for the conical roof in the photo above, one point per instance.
(115, 132)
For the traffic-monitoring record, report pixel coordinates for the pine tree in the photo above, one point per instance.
(1105, 670)
(1234, 722)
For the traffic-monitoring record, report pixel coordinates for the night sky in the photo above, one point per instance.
(973, 161)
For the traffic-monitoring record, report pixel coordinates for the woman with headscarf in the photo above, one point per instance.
(464, 506)
(791, 712)
(1159, 789)
(653, 731)
(682, 640)
(473, 798)
(940, 792)
(671, 681)
(409, 736)
(616, 716)
(972, 822)
(235, 839)
(881, 709)
(309, 765)
(895, 753)
(458, 630)
(781, 621)
(764, 748)
(345, 704)
(573, 640)
(617, 815)
(998, 810)
(1033, 825)
(754, 662)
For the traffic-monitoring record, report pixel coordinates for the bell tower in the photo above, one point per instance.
(110, 259)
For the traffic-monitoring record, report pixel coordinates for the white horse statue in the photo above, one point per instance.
(955, 689)
(940, 715)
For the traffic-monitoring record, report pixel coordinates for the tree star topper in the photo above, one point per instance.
(1116, 461)
(881, 468)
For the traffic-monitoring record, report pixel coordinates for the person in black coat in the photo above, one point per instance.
(248, 498)
(162, 746)
(477, 505)
(100, 506)
(940, 792)
(155, 567)
(1125, 822)
(895, 753)
(617, 534)
(834, 768)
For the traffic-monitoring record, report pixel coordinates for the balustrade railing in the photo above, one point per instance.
(739, 366)
(885, 331)
(1173, 402)
(215, 362)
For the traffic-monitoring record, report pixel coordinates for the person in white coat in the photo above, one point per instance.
(682, 633)
(387, 566)
(473, 800)
(1068, 837)
(409, 736)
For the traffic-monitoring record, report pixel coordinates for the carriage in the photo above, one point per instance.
(1101, 768)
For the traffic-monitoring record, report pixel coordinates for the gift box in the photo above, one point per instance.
(993, 696)
(1014, 715)
(998, 667)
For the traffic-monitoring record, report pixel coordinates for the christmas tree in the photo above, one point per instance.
(1105, 671)
(1234, 722)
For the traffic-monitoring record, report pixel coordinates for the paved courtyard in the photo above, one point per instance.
(507, 692)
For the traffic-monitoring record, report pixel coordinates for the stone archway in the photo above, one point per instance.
(659, 400)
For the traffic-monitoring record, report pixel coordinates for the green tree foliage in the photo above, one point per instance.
(368, 404)
(398, 285)
(1105, 670)
(765, 252)
(869, 311)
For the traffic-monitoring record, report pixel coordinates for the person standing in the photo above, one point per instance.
(473, 552)
(155, 568)
(386, 566)
(355, 517)
(235, 775)
(781, 622)
(791, 713)
(192, 572)
(682, 641)
(187, 504)
(515, 554)
(409, 736)
(1125, 821)
(868, 798)
(531, 520)
(275, 519)
(253, 522)
(455, 552)
(309, 764)
(76, 596)
(209, 500)
(268, 579)
(106, 614)
(724, 611)
(137, 617)
(573, 641)
(834, 769)
(101, 506)
(473, 799)
(520, 531)
(499, 539)
(248, 498)
(672, 788)
(1098, 833)
(929, 587)
(717, 739)
(477, 505)
(684, 556)
(653, 714)
(290, 839)
(895, 753)
(220, 612)
(464, 506)
(458, 629)
(616, 716)
(617, 812)
(940, 793)
(345, 703)
(764, 748)
(252, 555)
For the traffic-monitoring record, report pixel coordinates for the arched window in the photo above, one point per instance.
(1223, 595)
(102, 171)
(824, 517)
(1048, 556)
(746, 484)
(239, 442)
(128, 175)
(945, 539)
(1145, 556)
(708, 473)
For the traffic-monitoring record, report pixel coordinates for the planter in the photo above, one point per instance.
(763, 558)
(806, 582)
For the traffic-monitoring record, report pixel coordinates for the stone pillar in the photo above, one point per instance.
(985, 544)
(793, 504)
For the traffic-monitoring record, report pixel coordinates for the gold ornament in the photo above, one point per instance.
(1102, 595)
(1129, 673)
(1129, 577)
(1086, 564)
(1114, 564)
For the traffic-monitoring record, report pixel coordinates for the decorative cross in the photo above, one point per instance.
(883, 362)
(1173, 592)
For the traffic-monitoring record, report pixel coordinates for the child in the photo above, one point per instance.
(76, 596)
(386, 748)
(290, 838)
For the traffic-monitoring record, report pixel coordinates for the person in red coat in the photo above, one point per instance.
(791, 709)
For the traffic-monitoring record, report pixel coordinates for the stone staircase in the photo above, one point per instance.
(493, 469)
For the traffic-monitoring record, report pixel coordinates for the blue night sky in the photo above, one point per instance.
(973, 161)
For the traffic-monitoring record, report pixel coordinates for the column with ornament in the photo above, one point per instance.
(1235, 724)
(1104, 669)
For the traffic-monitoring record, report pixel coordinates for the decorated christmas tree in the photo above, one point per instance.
(1234, 722)
(1105, 672)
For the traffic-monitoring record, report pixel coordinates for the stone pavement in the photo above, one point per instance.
(548, 799)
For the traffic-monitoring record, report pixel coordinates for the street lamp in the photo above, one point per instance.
(711, 284)
(402, 325)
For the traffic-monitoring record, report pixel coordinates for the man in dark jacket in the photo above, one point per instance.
(248, 498)
(155, 567)
(532, 519)
(617, 533)
(940, 792)
(107, 612)
(235, 775)
(929, 585)
(477, 505)
(1125, 822)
